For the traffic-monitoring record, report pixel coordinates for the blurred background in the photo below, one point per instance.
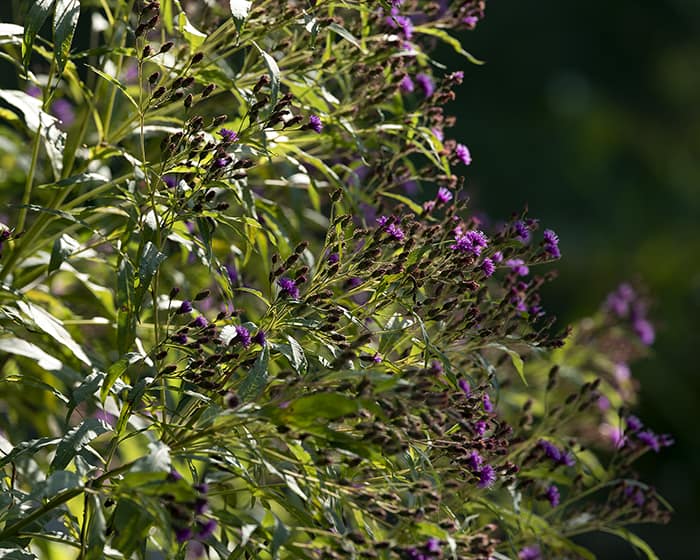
(590, 114)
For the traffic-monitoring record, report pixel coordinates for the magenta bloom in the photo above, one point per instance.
(472, 241)
(243, 335)
(185, 307)
(645, 331)
(444, 195)
(530, 553)
(488, 405)
(406, 84)
(288, 287)
(206, 529)
(464, 385)
(487, 476)
(463, 154)
(228, 135)
(551, 243)
(518, 266)
(488, 267)
(315, 124)
(552, 495)
(426, 84)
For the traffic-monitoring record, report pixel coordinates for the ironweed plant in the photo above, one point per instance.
(232, 327)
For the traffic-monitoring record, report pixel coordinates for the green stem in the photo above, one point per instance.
(27, 195)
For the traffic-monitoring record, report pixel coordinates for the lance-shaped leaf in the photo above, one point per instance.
(255, 381)
(11, 33)
(65, 20)
(77, 439)
(39, 122)
(36, 16)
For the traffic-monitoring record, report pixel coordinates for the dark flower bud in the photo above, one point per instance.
(177, 83)
(167, 370)
(151, 23)
(221, 119)
(197, 58)
(188, 101)
(153, 78)
(174, 292)
(140, 30)
(202, 295)
(165, 47)
(206, 92)
(159, 92)
(147, 51)
(263, 81)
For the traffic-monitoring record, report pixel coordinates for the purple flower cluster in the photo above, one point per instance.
(472, 241)
(288, 287)
(555, 454)
(532, 552)
(551, 244)
(463, 154)
(403, 23)
(243, 335)
(389, 225)
(228, 136)
(406, 84)
(485, 472)
(426, 84)
(552, 495)
(522, 231)
(431, 549)
(315, 124)
(518, 266)
(190, 521)
(487, 267)
(625, 303)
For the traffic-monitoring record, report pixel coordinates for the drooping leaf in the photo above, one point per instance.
(65, 20)
(115, 371)
(21, 347)
(54, 328)
(274, 73)
(39, 122)
(35, 18)
(75, 440)
(63, 247)
(256, 379)
(96, 533)
(11, 34)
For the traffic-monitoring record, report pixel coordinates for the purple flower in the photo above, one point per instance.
(231, 273)
(402, 22)
(550, 450)
(551, 243)
(185, 307)
(183, 534)
(180, 338)
(355, 281)
(406, 84)
(497, 257)
(530, 553)
(200, 322)
(260, 338)
(480, 427)
(567, 459)
(228, 135)
(488, 267)
(470, 21)
(377, 358)
(473, 241)
(522, 231)
(552, 495)
(464, 385)
(439, 134)
(645, 331)
(634, 424)
(201, 505)
(443, 195)
(170, 181)
(518, 266)
(433, 546)
(206, 529)
(315, 124)
(396, 232)
(426, 84)
(288, 287)
(463, 154)
(220, 163)
(650, 439)
(243, 335)
(488, 406)
(333, 258)
(487, 476)
(457, 76)
(474, 461)
(174, 476)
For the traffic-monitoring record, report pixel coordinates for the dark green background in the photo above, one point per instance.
(589, 112)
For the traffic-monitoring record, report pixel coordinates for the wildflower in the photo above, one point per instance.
(63, 111)
(522, 231)
(185, 307)
(472, 241)
(497, 257)
(315, 124)
(403, 23)
(463, 154)
(487, 476)
(443, 195)
(377, 358)
(396, 232)
(243, 335)
(552, 495)
(333, 258)
(426, 84)
(220, 163)
(474, 461)
(206, 529)
(288, 287)
(550, 450)
(260, 337)
(488, 405)
(634, 424)
(518, 266)
(645, 331)
(227, 135)
(470, 21)
(464, 385)
(480, 427)
(488, 267)
(650, 439)
(530, 553)
(183, 534)
(437, 132)
(200, 322)
(433, 546)
(406, 85)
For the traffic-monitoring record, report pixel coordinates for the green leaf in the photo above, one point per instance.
(131, 524)
(61, 480)
(345, 34)
(306, 410)
(151, 259)
(279, 536)
(76, 440)
(115, 371)
(274, 72)
(407, 201)
(449, 39)
(633, 539)
(21, 347)
(96, 532)
(126, 318)
(192, 35)
(39, 122)
(25, 447)
(54, 328)
(514, 358)
(295, 354)
(65, 20)
(35, 18)
(90, 385)
(116, 83)
(63, 247)
(15, 553)
(254, 383)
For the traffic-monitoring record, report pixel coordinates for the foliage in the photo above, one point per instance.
(230, 325)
